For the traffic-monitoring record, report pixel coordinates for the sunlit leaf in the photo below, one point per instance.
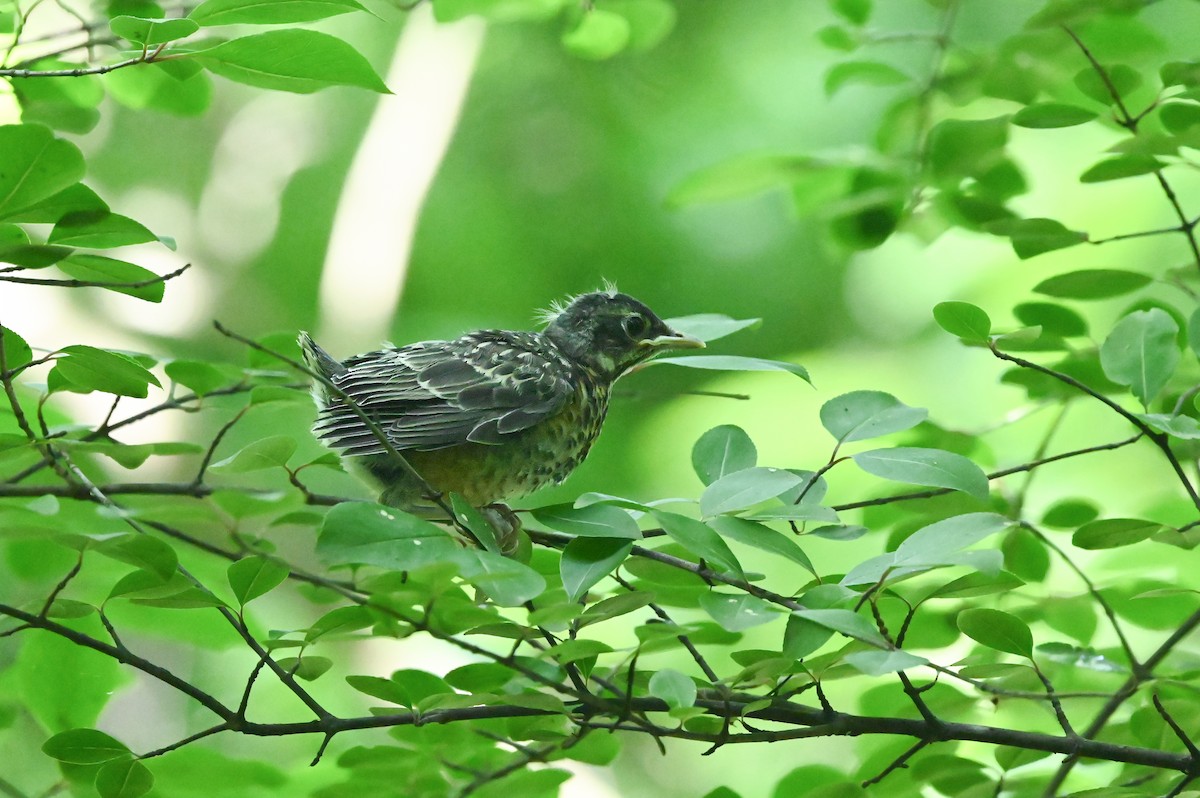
(36, 166)
(85, 369)
(295, 60)
(151, 32)
(268, 12)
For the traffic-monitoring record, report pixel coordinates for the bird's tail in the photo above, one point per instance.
(320, 362)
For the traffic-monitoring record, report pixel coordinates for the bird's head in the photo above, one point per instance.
(610, 332)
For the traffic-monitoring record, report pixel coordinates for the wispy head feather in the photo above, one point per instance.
(546, 316)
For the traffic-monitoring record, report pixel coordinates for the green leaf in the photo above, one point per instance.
(614, 607)
(710, 326)
(860, 415)
(1121, 166)
(1182, 427)
(98, 230)
(746, 176)
(151, 32)
(272, 452)
(594, 520)
(878, 663)
(722, 451)
(371, 534)
(762, 537)
(933, 467)
(84, 747)
(16, 352)
(963, 319)
(1179, 118)
(1053, 319)
(866, 73)
(856, 12)
(1142, 352)
(598, 35)
(295, 60)
(142, 551)
(950, 535)
(77, 197)
(1111, 533)
(254, 576)
(735, 363)
(998, 630)
(966, 147)
(674, 688)
(585, 561)
(650, 21)
(268, 12)
(1092, 284)
(746, 488)
(68, 103)
(123, 778)
(1180, 73)
(114, 275)
(309, 668)
(844, 622)
(1123, 78)
(506, 582)
(978, 584)
(473, 520)
(85, 369)
(36, 167)
(699, 540)
(162, 86)
(200, 377)
(1070, 513)
(1051, 115)
(1032, 237)
(736, 612)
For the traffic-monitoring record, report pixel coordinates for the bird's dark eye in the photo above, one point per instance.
(635, 326)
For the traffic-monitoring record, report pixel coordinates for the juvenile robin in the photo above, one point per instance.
(494, 414)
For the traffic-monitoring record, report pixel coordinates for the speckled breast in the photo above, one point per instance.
(544, 454)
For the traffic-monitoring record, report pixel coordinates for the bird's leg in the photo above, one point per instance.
(505, 522)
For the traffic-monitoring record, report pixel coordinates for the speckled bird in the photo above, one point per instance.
(492, 415)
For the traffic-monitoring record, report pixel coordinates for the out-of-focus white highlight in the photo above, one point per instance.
(265, 143)
(391, 174)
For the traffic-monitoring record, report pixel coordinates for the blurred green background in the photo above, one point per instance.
(555, 175)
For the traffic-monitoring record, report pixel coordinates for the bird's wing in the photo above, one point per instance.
(483, 387)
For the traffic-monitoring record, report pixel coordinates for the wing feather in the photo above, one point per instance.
(483, 387)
